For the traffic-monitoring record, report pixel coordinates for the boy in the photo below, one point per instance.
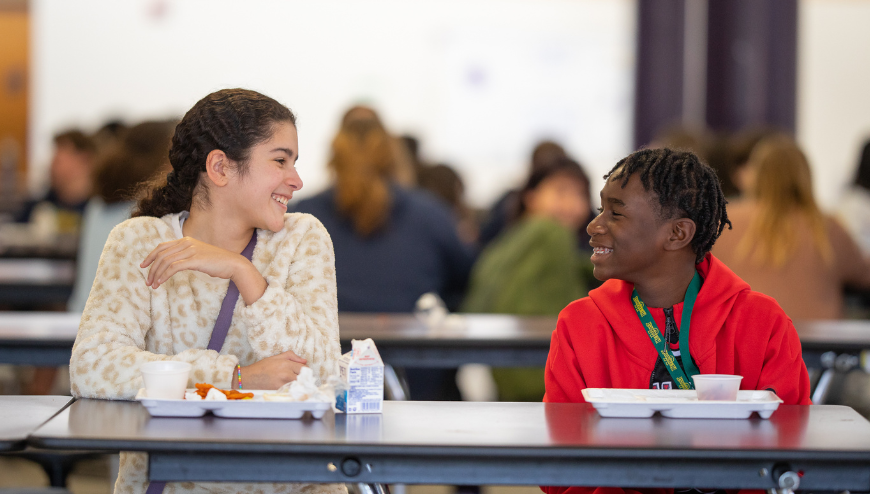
(661, 212)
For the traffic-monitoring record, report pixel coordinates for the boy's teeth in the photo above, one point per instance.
(601, 250)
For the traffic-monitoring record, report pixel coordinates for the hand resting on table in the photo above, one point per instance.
(272, 372)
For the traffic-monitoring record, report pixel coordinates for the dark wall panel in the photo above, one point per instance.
(659, 85)
(751, 63)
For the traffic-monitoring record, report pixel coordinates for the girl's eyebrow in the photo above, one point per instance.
(288, 151)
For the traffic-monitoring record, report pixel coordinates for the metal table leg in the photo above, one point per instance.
(393, 387)
(820, 395)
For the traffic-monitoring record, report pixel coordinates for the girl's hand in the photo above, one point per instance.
(272, 372)
(171, 257)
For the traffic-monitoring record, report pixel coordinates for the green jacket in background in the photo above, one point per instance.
(534, 268)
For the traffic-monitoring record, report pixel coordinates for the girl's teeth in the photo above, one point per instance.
(282, 200)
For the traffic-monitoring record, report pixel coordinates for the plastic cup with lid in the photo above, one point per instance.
(165, 379)
(717, 387)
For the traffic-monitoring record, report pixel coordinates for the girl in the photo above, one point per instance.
(782, 244)
(164, 273)
(393, 244)
(535, 267)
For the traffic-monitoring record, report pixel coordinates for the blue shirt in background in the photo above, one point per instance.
(416, 252)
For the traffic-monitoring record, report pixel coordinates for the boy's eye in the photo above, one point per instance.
(280, 160)
(600, 210)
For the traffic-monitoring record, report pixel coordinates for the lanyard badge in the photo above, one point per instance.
(682, 376)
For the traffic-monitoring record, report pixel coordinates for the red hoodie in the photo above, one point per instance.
(599, 342)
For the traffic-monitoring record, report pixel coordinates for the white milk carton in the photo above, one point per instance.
(362, 371)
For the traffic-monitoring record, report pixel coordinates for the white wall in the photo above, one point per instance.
(479, 81)
(833, 111)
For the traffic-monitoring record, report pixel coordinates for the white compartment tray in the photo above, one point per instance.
(678, 403)
(256, 408)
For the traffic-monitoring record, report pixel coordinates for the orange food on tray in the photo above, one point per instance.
(231, 394)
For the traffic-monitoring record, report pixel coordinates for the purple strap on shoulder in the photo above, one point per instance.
(219, 333)
(225, 316)
(155, 487)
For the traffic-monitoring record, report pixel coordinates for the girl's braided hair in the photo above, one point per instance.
(232, 120)
(685, 187)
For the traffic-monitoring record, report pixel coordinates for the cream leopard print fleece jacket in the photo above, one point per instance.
(126, 324)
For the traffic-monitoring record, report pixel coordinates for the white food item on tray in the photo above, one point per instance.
(215, 395)
(277, 397)
(257, 407)
(192, 395)
(676, 403)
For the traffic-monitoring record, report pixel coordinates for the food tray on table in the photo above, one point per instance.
(678, 403)
(255, 408)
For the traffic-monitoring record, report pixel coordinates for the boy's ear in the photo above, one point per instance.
(682, 233)
(217, 166)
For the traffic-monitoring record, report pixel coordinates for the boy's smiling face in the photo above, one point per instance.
(628, 235)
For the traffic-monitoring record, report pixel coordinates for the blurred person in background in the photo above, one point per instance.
(127, 158)
(109, 133)
(854, 208)
(536, 267)
(500, 214)
(139, 154)
(736, 176)
(714, 149)
(782, 244)
(392, 244)
(445, 183)
(70, 184)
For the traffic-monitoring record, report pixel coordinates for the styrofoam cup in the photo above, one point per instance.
(165, 379)
(717, 387)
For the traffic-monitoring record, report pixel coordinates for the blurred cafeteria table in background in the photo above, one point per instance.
(829, 347)
(832, 348)
(37, 338)
(36, 282)
(492, 339)
(37, 272)
(46, 338)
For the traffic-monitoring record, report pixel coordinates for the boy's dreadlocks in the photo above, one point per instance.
(684, 186)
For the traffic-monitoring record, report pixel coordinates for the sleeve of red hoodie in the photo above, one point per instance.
(562, 378)
(783, 369)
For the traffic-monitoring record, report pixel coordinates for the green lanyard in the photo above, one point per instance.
(662, 346)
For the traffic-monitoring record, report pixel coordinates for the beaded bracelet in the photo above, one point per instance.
(239, 371)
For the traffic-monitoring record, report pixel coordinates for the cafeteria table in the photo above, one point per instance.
(830, 348)
(492, 339)
(819, 447)
(46, 338)
(21, 415)
(37, 338)
(35, 281)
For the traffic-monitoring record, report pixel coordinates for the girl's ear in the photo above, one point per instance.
(217, 166)
(682, 233)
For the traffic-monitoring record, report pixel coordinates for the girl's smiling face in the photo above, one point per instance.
(628, 236)
(271, 179)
